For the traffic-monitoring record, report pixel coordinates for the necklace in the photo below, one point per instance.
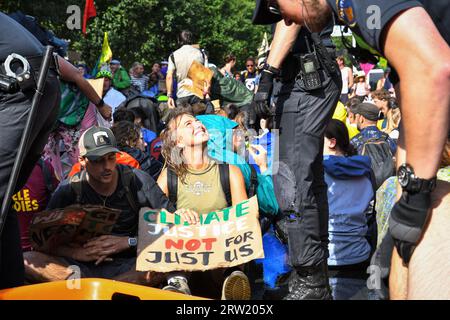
(104, 199)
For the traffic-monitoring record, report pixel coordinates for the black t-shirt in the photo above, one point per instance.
(358, 15)
(14, 38)
(127, 224)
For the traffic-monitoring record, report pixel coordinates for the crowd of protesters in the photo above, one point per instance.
(154, 132)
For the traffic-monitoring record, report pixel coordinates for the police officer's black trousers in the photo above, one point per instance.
(302, 117)
(14, 110)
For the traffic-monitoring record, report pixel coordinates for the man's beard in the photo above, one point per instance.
(319, 14)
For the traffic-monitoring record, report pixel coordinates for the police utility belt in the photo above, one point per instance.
(310, 65)
(18, 73)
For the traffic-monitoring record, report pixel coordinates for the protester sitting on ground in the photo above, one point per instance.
(139, 81)
(130, 140)
(101, 182)
(110, 95)
(121, 80)
(350, 191)
(33, 198)
(230, 62)
(185, 151)
(225, 142)
(123, 114)
(139, 119)
(350, 122)
(374, 143)
(388, 105)
(366, 116)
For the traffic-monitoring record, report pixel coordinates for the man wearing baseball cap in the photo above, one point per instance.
(413, 36)
(101, 182)
(367, 115)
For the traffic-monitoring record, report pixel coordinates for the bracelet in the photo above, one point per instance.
(169, 95)
(101, 103)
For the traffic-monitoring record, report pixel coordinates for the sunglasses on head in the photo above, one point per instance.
(273, 7)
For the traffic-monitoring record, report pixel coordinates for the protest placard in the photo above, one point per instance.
(73, 224)
(222, 239)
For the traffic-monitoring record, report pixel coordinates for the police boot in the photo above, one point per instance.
(309, 283)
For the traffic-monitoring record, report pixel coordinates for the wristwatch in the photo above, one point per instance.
(412, 184)
(275, 71)
(132, 242)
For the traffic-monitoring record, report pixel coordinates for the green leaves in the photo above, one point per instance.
(147, 30)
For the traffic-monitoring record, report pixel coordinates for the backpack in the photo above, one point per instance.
(381, 157)
(127, 174)
(224, 171)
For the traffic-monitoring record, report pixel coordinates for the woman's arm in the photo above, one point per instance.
(237, 185)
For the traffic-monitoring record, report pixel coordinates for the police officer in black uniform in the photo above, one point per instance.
(306, 93)
(14, 108)
(414, 37)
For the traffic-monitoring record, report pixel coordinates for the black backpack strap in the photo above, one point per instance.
(172, 57)
(76, 183)
(126, 176)
(253, 182)
(224, 170)
(172, 185)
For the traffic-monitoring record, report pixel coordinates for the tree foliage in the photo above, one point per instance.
(147, 30)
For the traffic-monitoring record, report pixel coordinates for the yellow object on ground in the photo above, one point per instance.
(90, 289)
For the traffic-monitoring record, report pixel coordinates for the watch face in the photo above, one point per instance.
(403, 176)
(132, 242)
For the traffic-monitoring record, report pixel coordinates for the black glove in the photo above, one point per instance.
(408, 216)
(262, 96)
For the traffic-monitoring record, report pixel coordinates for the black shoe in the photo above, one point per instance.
(309, 283)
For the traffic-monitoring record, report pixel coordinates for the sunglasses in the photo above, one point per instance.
(250, 65)
(273, 7)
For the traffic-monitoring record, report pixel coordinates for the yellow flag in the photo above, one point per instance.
(106, 55)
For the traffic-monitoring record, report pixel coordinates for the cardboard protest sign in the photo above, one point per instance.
(74, 224)
(223, 238)
(200, 76)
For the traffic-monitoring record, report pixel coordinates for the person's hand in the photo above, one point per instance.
(171, 103)
(406, 222)
(259, 154)
(261, 100)
(188, 215)
(106, 111)
(81, 254)
(105, 246)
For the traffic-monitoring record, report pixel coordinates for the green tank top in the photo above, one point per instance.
(202, 190)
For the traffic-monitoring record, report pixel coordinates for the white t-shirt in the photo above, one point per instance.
(183, 59)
